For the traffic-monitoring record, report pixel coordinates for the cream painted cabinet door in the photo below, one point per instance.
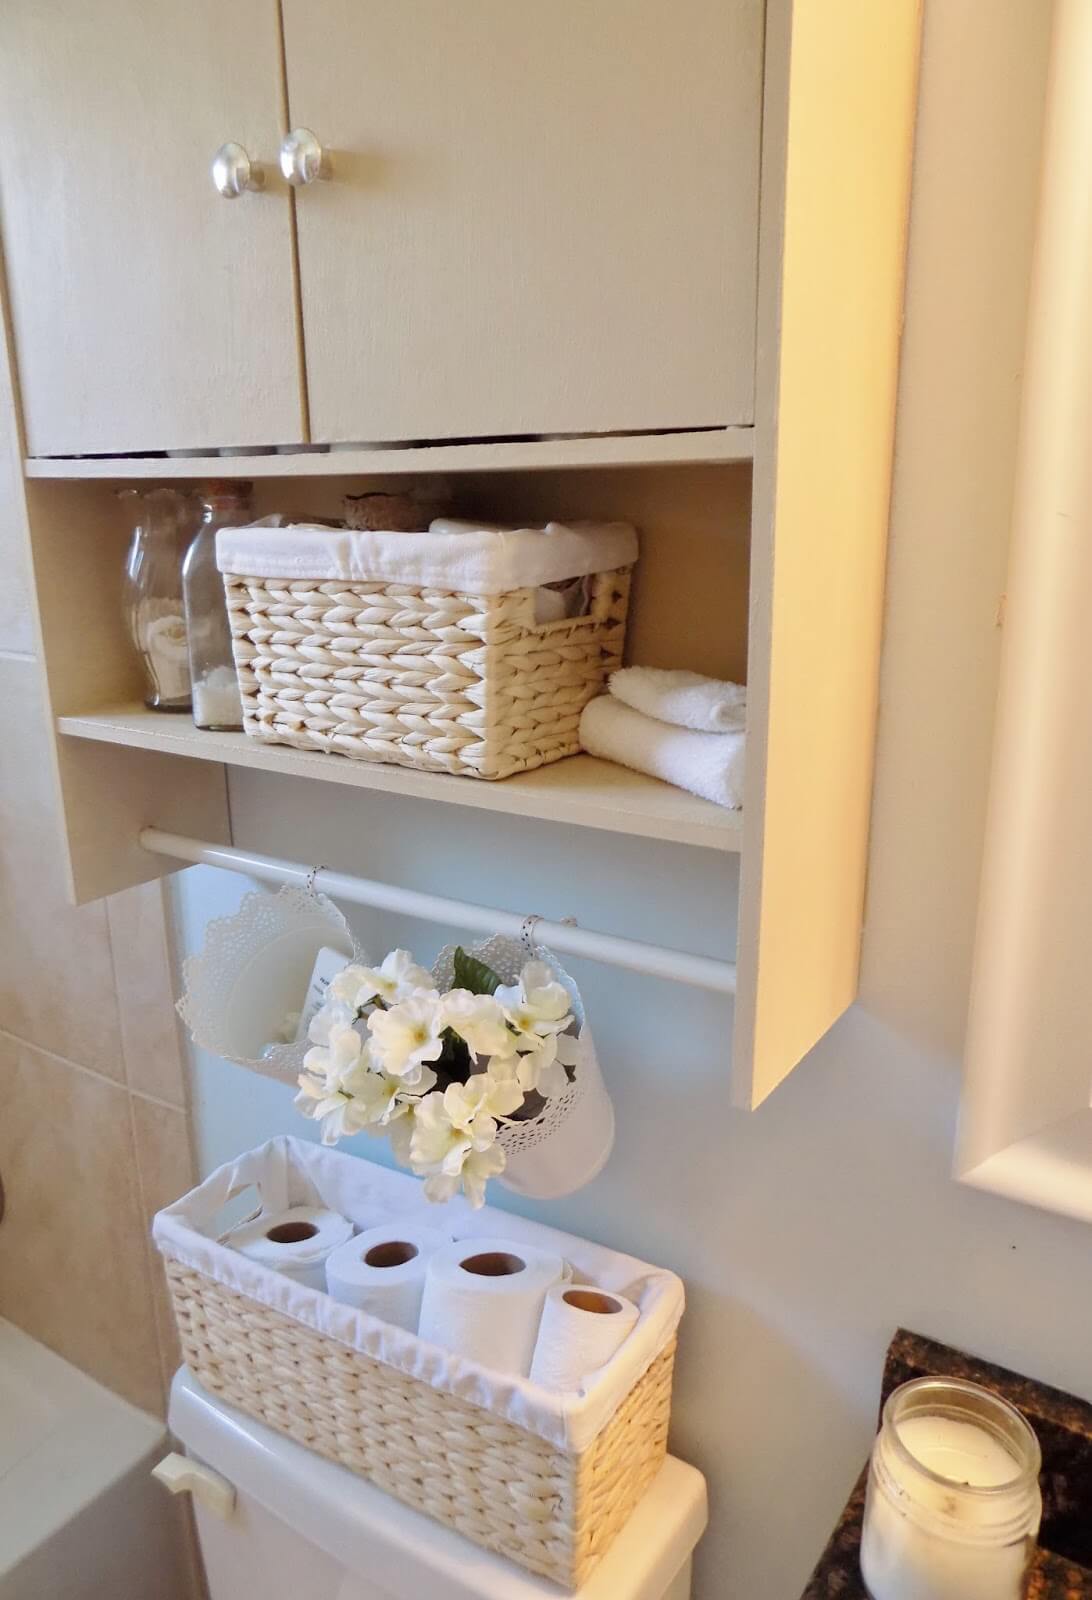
(149, 312)
(540, 217)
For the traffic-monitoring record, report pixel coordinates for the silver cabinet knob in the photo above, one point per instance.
(303, 160)
(234, 173)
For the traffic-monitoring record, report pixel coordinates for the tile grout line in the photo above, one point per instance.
(147, 1249)
(91, 1072)
(108, 930)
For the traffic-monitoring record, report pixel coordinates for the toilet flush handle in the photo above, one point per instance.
(183, 1476)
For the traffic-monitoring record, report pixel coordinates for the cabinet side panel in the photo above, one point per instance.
(823, 476)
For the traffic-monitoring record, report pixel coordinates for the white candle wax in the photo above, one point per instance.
(926, 1540)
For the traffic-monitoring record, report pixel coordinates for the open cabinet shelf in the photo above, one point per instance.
(580, 791)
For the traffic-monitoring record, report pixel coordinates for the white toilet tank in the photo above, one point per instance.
(277, 1522)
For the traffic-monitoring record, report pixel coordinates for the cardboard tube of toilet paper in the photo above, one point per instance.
(383, 1270)
(581, 1330)
(483, 1299)
(295, 1242)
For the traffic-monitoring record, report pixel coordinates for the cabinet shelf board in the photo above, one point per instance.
(707, 445)
(580, 791)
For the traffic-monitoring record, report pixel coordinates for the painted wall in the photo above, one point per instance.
(808, 1231)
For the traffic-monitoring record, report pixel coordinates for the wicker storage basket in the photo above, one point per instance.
(424, 649)
(546, 1480)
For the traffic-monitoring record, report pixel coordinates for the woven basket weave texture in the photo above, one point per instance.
(425, 678)
(550, 1511)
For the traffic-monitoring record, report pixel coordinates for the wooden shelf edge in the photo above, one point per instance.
(703, 446)
(579, 791)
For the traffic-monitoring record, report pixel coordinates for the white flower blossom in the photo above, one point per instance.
(334, 1078)
(454, 1136)
(408, 1036)
(340, 1051)
(541, 1063)
(330, 1016)
(477, 1169)
(396, 979)
(479, 1021)
(446, 1127)
(537, 1005)
(381, 1101)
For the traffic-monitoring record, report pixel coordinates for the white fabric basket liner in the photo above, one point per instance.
(291, 1172)
(482, 561)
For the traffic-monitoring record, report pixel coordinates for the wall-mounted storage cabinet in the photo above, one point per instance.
(536, 219)
(539, 221)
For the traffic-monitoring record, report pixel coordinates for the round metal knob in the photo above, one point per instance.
(234, 173)
(303, 160)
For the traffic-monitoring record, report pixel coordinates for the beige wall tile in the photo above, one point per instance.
(56, 973)
(73, 1260)
(166, 1170)
(150, 1038)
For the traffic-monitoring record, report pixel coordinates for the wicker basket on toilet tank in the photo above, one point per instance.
(440, 650)
(545, 1479)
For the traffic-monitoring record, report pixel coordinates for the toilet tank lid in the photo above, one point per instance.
(404, 1553)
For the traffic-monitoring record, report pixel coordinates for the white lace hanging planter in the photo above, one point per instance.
(568, 1142)
(253, 968)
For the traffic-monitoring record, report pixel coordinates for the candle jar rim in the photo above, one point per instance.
(989, 1410)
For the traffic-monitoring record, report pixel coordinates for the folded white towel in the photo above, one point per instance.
(687, 699)
(708, 764)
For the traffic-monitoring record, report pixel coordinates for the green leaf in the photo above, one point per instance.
(472, 974)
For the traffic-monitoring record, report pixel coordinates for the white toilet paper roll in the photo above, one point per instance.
(383, 1270)
(295, 1242)
(483, 1299)
(581, 1329)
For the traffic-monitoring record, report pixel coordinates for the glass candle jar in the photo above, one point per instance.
(953, 1504)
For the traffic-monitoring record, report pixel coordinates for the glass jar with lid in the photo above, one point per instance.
(216, 702)
(953, 1504)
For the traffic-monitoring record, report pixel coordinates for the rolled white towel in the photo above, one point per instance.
(686, 699)
(708, 764)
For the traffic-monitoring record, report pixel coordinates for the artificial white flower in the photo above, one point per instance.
(330, 1016)
(333, 1086)
(408, 1036)
(337, 1055)
(497, 1094)
(537, 1004)
(381, 1101)
(479, 1021)
(477, 1169)
(541, 1063)
(336, 1110)
(448, 1126)
(396, 979)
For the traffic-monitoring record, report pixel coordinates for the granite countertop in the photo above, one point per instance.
(1063, 1565)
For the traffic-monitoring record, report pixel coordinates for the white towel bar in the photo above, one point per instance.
(700, 971)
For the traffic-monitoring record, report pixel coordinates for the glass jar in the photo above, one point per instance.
(163, 522)
(953, 1504)
(216, 701)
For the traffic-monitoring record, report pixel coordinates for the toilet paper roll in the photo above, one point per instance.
(581, 1329)
(383, 1270)
(483, 1299)
(295, 1242)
